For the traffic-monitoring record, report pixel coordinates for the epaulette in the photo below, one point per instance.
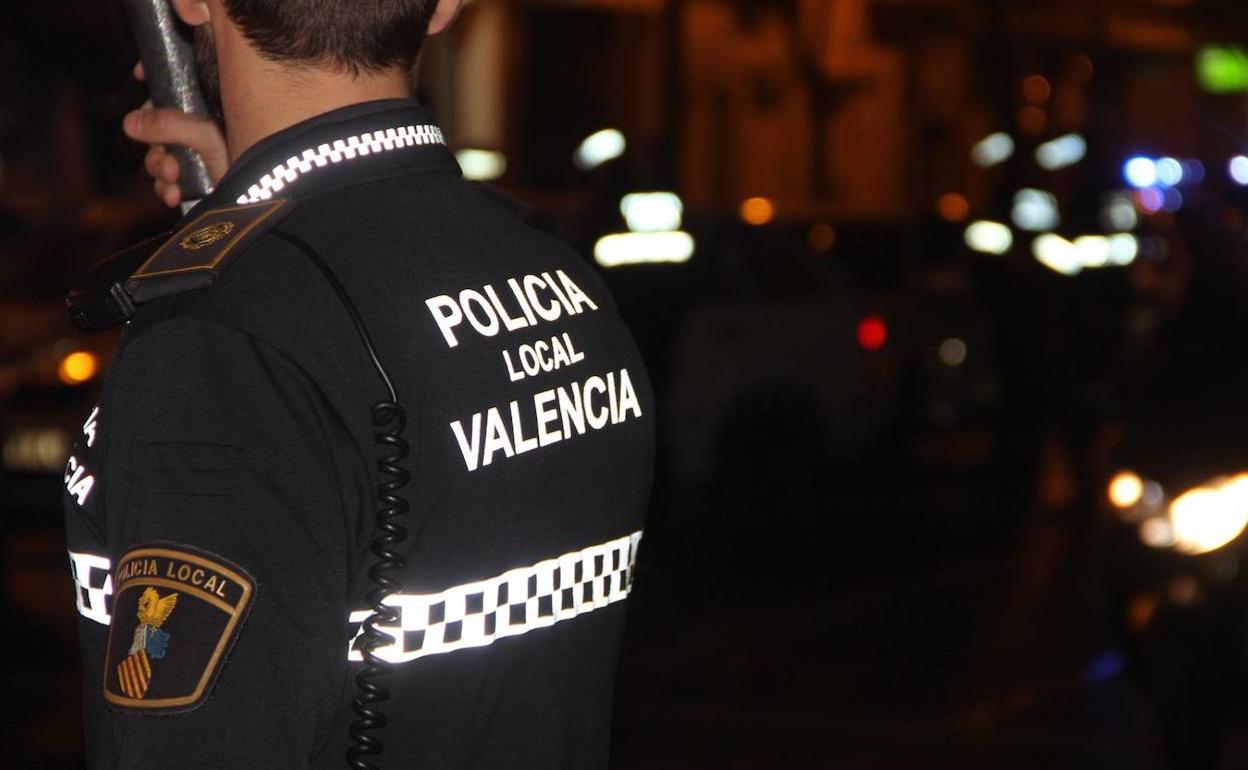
(190, 258)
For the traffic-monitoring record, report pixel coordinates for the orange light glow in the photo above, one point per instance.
(758, 211)
(953, 207)
(1207, 518)
(1125, 490)
(78, 367)
(1036, 89)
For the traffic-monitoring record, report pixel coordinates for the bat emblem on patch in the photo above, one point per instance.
(179, 610)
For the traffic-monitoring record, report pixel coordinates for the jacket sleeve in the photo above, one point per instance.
(230, 543)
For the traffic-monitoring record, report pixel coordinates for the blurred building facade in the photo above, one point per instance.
(860, 109)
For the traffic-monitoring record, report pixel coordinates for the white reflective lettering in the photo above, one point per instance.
(517, 429)
(577, 356)
(525, 307)
(528, 359)
(572, 410)
(81, 490)
(545, 416)
(489, 326)
(554, 287)
(470, 449)
(560, 354)
(614, 403)
(578, 298)
(78, 483)
(628, 397)
(88, 429)
(541, 351)
(447, 314)
(496, 437)
(559, 413)
(550, 312)
(596, 420)
(512, 324)
(512, 374)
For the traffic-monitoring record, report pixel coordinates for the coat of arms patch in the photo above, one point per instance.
(176, 613)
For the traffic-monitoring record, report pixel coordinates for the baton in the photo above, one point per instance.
(169, 63)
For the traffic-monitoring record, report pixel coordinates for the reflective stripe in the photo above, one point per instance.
(470, 615)
(350, 148)
(511, 604)
(93, 584)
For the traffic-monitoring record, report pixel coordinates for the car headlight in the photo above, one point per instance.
(1210, 516)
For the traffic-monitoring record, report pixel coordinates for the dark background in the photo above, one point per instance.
(881, 535)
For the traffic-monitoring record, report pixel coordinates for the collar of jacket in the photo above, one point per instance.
(347, 146)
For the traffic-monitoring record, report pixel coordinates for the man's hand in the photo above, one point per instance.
(163, 126)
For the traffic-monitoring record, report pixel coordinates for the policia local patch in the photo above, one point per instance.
(176, 614)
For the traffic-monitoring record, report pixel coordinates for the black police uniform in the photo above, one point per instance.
(221, 500)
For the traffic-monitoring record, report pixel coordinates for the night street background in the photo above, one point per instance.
(946, 307)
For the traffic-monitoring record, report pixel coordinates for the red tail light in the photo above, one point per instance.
(872, 333)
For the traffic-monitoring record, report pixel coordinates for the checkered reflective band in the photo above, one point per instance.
(340, 150)
(93, 586)
(470, 615)
(511, 604)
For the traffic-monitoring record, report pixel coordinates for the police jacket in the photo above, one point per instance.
(222, 499)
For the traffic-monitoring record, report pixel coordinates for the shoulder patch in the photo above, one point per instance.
(203, 249)
(177, 612)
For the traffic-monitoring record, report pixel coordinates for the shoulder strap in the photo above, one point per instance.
(203, 249)
(171, 263)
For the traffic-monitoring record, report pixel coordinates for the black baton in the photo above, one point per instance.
(169, 62)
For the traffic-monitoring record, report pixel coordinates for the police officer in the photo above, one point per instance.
(222, 501)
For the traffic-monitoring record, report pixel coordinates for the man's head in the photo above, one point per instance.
(356, 35)
(359, 37)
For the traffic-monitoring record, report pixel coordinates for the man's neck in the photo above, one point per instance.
(262, 97)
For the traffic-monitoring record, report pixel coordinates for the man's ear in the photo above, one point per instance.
(193, 12)
(443, 15)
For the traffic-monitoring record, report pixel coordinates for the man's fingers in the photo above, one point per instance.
(160, 164)
(163, 125)
(151, 161)
(167, 126)
(168, 169)
(168, 192)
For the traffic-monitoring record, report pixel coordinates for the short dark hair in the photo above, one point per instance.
(359, 35)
